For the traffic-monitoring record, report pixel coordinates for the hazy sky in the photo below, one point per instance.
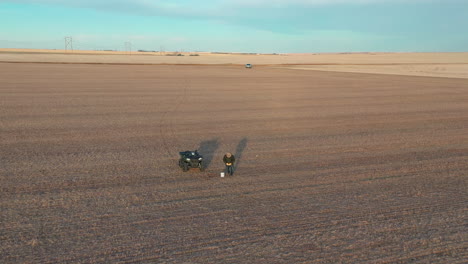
(238, 25)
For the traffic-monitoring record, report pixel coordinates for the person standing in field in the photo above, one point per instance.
(229, 162)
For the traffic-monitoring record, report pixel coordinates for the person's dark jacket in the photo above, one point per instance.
(228, 160)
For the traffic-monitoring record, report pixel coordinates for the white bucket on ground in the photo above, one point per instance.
(222, 174)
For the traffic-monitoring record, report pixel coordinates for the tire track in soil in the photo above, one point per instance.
(166, 125)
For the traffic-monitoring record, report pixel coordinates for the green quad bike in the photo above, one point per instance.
(191, 159)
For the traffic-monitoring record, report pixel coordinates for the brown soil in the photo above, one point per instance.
(332, 167)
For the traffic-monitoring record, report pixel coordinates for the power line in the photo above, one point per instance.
(89, 46)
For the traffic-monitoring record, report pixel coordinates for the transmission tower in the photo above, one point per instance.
(68, 43)
(128, 47)
(161, 50)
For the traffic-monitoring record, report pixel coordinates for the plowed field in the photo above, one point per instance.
(331, 167)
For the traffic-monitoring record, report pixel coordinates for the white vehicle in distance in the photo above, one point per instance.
(248, 66)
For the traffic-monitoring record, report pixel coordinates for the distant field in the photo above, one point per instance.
(453, 65)
(332, 167)
(429, 70)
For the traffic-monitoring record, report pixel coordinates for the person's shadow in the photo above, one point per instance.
(207, 149)
(239, 151)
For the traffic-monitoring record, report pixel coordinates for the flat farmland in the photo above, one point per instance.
(332, 167)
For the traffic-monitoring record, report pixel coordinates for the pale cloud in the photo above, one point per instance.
(210, 7)
(135, 7)
(269, 3)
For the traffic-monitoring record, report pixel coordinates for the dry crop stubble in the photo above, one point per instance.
(333, 166)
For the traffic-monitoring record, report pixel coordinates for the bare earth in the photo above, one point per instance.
(332, 167)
